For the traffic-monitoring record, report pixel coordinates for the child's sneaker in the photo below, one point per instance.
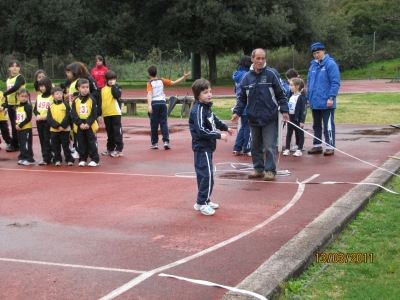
(27, 163)
(154, 146)
(21, 162)
(106, 152)
(43, 163)
(57, 163)
(286, 152)
(298, 153)
(93, 164)
(166, 145)
(82, 163)
(116, 154)
(211, 204)
(237, 153)
(70, 163)
(248, 154)
(207, 210)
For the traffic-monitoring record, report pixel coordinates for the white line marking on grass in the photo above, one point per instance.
(127, 286)
(70, 265)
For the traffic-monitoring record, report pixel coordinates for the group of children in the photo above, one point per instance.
(66, 118)
(56, 117)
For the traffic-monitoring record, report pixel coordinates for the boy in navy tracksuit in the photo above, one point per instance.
(203, 127)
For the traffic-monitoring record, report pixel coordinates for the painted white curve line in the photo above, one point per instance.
(127, 286)
(209, 283)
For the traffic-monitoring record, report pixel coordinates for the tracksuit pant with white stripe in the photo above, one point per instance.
(205, 176)
(327, 116)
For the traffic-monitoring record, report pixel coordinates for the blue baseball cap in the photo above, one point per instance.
(317, 46)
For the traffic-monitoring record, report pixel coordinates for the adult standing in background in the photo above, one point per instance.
(243, 142)
(99, 72)
(323, 83)
(263, 91)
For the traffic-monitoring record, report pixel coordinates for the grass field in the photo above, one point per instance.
(374, 274)
(370, 108)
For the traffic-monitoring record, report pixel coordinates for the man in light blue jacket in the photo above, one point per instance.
(323, 84)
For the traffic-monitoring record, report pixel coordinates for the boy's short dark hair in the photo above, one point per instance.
(152, 70)
(56, 89)
(82, 81)
(198, 86)
(110, 75)
(99, 57)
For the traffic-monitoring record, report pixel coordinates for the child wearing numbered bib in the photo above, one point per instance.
(15, 82)
(59, 119)
(84, 115)
(43, 102)
(5, 131)
(24, 128)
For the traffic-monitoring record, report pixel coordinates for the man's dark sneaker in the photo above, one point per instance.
(329, 152)
(11, 149)
(315, 150)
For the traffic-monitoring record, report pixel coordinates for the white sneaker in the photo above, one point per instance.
(211, 204)
(27, 163)
(82, 163)
(248, 154)
(21, 162)
(116, 154)
(207, 210)
(166, 145)
(75, 154)
(106, 152)
(298, 153)
(294, 148)
(93, 164)
(57, 163)
(70, 163)
(286, 152)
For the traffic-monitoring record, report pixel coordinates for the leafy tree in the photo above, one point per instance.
(213, 27)
(39, 26)
(369, 16)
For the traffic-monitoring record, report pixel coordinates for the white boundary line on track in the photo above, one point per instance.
(122, 289)
(70, 265)
(177, 175)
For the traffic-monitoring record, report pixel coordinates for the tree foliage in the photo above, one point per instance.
(211, 27)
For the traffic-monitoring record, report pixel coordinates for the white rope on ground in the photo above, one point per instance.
(209, 283)
(355, 183)
(344, 152)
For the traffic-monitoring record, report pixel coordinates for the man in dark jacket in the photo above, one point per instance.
(263, 92)
(323, 83)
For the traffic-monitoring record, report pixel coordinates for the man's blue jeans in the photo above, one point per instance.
(264, 137)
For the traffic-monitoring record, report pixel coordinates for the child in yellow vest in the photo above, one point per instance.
(84, 115)
(59, 119)
(5, 131)
(43, 102)
(15, 82)
(111, 112)
(24, 128)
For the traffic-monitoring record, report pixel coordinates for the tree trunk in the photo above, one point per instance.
(40, 61)
(212, 59)
(247, 49)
